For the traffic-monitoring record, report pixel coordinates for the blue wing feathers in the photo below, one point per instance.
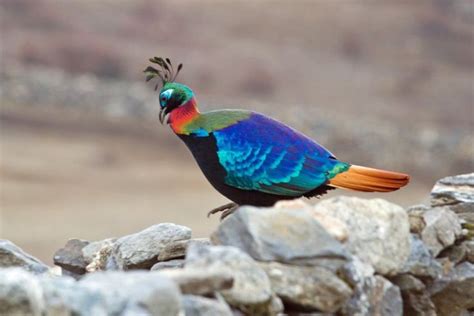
(262, 154)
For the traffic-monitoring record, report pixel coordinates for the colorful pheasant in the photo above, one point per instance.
(253, 159)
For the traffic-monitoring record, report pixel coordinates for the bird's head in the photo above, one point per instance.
(172, 94)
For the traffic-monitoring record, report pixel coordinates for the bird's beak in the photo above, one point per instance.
(162, 115)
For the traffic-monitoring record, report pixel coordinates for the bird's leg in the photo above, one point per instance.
(224, 208)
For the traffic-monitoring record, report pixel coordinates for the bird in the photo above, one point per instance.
(253, 159)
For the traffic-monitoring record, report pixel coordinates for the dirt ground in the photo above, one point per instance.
(86, 177)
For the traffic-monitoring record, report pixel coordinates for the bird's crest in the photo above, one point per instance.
(166, 72)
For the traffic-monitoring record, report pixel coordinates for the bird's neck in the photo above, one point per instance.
(181, 117)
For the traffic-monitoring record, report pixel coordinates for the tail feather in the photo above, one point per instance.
(369, 180)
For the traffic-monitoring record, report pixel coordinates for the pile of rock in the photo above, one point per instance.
(348, 256)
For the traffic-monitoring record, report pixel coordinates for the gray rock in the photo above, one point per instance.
(202, 306)
(307, 288)
(171, 264)
(251, 292)
(200, 281)
(90, 251)
(355, 272)
(63, 296)
(141, 250)
(415, 217)
(177, 249)
(453, 294)
(151, 291)
(379, 231)
(421, 262)
(470, 250)
(70, 257)
(453, 190)
(416, 300)
(287, 236)
(375, 296)
(20, 293)
(13, 256)
(442, 228)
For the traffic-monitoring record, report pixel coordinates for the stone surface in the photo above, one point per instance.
(13, 256)
(99, 259)
(421, 262)
(415, 217)
(70, 257)
(251, 292)
(470, 250)
(453, 294)
(453, 190)
(200, 281)
(141, 250)
(170, 264)
(416, 300)
(375, 296)
(378, 230)
(287, 236)
(441, 229)
(63, 296)
(118, 291)
(177, 249)
(20, 293)
(90, 251)
(307, 288)
(333, 226)
(202, 306)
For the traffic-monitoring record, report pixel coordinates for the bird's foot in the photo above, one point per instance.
(226, 210)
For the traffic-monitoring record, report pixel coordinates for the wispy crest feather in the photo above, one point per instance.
(166, 72)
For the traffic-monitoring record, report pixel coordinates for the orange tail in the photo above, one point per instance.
(369, 180)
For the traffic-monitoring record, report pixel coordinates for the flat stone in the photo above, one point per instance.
(177, 249)
(170, 264)
(442, 228)
(307, 288)
(70, 257)
(375, 296)
(453, 294)
(453, 190)
(379, 232)
(416, 300)
(20, 293)
(251, 292)
(287, 236)
(142, 290)
(141, 250)
(200, 281)
(421, 262)
(13, 256)
(202, 306)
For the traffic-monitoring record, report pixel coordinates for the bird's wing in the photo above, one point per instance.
(262, 154)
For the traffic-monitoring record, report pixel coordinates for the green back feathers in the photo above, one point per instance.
(215, 120)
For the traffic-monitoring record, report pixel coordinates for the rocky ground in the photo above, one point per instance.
(344, 256)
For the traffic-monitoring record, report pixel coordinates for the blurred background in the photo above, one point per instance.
(384, 83)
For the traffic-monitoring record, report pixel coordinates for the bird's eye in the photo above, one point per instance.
(165, 95)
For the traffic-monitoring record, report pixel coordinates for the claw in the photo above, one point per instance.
(227, 209)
